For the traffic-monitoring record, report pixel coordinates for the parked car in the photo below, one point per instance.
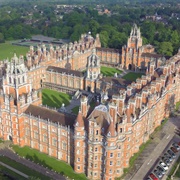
(158, 173)
(166, 160)
(159, 168)
(163, 165)
(148, 178)
(174, 149)
(152, 176)
(176, 146)
(171, 154)
(168, 157)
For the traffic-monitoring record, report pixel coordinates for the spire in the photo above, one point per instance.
(111, 130)
(79, 119)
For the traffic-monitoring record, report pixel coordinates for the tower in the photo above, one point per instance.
(18, 95)
(79, 144)
(93, 71)
(132, 51)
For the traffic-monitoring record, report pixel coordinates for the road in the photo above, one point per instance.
(150, 155)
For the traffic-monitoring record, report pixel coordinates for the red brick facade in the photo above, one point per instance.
(97, 142)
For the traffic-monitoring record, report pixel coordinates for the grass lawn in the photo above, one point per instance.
(23, 168)
(7, 50)
(47, 161)
(6, 174)
(177, 106)
(132, 76)
(54, 99)
(75, 110)
(108, 71)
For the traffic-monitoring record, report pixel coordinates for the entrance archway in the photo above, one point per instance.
(89, 89)
(130, 67)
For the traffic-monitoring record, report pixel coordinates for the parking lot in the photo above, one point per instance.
(164, 163)
(147, 161)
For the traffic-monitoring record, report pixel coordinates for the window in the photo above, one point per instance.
(64, 145)
(78, 152)
(110, 171)
(120, 130)
(96, 132)
(36, 134)
(129, 139)
(78, 159)
(78, 144)
(44, 138)
(95, 157)
(118, 163)
(27, 132)
(54, 141)
(111, 163)
(95, 165)
(111, 154)
(78, 167)
(119, 147)
(119, 154)
(96, 149)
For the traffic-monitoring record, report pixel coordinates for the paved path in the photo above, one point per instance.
(152, 152)
(10, 154)
(15, 170)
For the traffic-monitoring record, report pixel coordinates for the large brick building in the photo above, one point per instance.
(98, 142)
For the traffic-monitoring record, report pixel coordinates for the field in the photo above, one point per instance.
(53, 98)
(7, 50)
(47, 161)
(108, 71)
(21, 168)
(132, 76)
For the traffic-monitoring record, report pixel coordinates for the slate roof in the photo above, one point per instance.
(53, 116)
(63, 70)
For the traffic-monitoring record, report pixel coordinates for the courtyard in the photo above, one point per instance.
(109, 71)
(132, 76)
(55, 99)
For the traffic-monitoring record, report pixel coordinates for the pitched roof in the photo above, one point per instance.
(111, 130)
(63, 70)
(116, 81)
(53, 116)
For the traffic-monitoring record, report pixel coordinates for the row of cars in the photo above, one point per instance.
(164, 163)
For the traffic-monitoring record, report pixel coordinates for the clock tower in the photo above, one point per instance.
(93, 71)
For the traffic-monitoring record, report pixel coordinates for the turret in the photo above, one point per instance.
(79, 144)
(111, 152)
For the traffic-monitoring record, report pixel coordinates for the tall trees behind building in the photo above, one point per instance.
(21, 21)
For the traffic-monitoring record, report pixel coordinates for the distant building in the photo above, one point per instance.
(100, 141)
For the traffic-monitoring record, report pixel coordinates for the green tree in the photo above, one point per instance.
(104, 37)
(1, 38)
(165, 48)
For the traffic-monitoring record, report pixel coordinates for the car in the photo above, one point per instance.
(168, 157)
(171, 153)
(152, 176)
(176, 146)
(148, 178)
(159, 168)
(166, 160)
(158, 173)
(174, 149)
(163, 165)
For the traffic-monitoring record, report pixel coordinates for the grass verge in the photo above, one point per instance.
(47, 161)
(22, 168)
(177, 106)
(7, 174)
(53, 98)
(108, 71)
(7, 50)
